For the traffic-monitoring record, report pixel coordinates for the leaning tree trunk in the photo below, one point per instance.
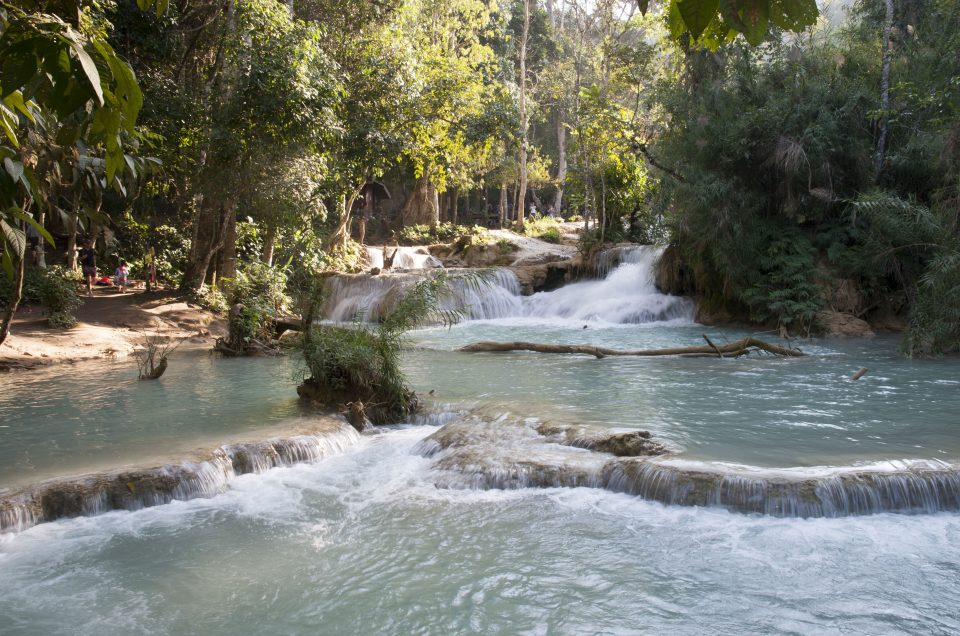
(17, 294)
(561, 164)
(227, 263)
(522, 194)
(269, 243)
(209, 236)
(422, 206)
(884, 89)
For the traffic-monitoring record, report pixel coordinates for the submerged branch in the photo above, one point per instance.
(735, 349)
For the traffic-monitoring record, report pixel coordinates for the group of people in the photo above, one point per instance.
(87, 258)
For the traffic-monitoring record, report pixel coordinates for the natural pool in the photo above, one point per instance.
(364, 540)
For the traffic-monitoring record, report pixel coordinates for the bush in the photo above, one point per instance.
(440, 233)
(258, 296)
(362, 363)
(57, 291)
(783, 290)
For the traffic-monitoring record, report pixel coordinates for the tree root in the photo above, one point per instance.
(732, 349)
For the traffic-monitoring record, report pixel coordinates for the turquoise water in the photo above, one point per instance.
(71, 419)
(367, 542)
(763, 411)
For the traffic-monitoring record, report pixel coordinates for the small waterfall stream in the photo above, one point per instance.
(134, 489)
(482, 451)
(626, 294)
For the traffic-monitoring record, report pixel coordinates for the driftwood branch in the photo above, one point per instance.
(734, 349)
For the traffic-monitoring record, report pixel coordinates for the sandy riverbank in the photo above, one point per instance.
(109, 324)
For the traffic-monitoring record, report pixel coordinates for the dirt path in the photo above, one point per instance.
(109, 324)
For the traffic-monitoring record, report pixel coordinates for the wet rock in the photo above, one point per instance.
(836, 324)
(629, 444)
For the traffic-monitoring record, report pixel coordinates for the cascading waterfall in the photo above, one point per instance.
(912, 487)
(135, 489)
(503, 452)
(626, 295)
(403, 258)
(369, 298)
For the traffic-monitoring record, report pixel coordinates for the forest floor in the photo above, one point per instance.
(109, 324)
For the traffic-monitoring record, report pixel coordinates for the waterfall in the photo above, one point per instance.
(913, 487)
(489, 451)
(626, 295)
(414, 258)
(142, 488)
(375, 257)
(368, 298)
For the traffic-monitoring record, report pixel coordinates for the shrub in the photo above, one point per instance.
(783, 290)
(361, 363)
(57, 291)
(257, 297)
(440, 233)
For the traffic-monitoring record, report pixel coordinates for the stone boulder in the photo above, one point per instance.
(837, 324)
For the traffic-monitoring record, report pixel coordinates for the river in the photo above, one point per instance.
(372, 535)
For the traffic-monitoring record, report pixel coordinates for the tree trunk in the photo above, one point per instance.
(227, 265)
(209, 237)
(503, 205)
(522, 194)
(41, 243)
(11, 309)
(734, 349)
(422, 206)
(455, 197)
(561, 164)
(269, 242)
(884, 89)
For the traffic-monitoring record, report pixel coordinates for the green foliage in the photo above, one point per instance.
(783, 289)
(211, 298)
(919, 248)
(545, 229)
(170, 244)
(257, 297)
(56, 289)
(362, 362)
(709, 22)
(439, 233)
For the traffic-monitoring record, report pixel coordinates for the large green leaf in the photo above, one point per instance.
(697, 14)
(15, 238)
(87, 65)
(26, 218)
(793, 15)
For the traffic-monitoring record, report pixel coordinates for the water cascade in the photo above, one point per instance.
(368, 298)
(626, 295)
(403, 258)
(482, 451)
(134, 489)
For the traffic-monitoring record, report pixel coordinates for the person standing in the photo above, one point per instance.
(120, 276)
(88, 262)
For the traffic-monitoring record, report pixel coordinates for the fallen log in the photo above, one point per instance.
(734, 349)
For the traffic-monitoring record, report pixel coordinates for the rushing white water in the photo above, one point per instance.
(403, 258)
(627, 295)
(135, 488)
(363, 542)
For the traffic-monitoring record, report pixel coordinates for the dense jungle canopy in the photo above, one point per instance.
(794, 158)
